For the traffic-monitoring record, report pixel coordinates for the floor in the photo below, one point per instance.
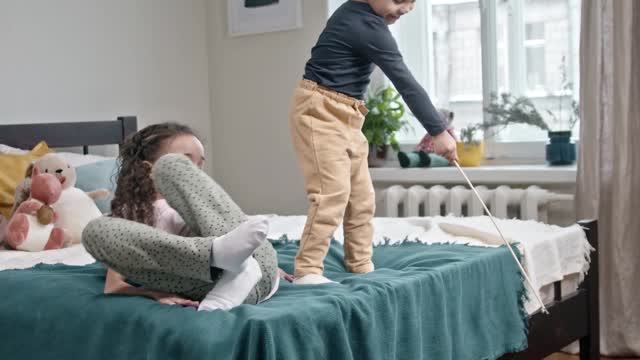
(561, 356)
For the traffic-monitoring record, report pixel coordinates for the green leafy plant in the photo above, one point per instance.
(508, 109)
(574, 113)
(471, 133)
(505, 110)
(384, 119)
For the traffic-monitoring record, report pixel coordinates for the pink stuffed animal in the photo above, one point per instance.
(75, 208)
(426, 144)
(32, 227)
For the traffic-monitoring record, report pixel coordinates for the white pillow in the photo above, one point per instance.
(76, 160)
(6, 149)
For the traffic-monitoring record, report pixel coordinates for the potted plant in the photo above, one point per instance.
(382, 123)
(470, 147)
(560, 150)
(505, 111)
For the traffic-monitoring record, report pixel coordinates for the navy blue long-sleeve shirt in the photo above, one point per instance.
(354, 40)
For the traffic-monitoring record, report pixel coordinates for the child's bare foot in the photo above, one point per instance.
(361, 269)
(312, 279)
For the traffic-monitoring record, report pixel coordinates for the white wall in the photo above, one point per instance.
(252, 79)
(79, 60)
(85, 60)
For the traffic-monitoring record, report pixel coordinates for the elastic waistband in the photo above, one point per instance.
(332, 94)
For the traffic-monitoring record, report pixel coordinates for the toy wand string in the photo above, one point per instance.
(524, 273)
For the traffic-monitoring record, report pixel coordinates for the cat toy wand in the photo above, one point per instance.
(524, 273)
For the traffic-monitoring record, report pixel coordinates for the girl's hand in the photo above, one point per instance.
(285, 276)
(171, 299)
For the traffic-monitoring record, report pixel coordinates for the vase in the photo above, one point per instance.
(470, 154)
(560, 149)
(377, 155)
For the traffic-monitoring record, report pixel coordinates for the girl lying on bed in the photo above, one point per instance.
(176, 233)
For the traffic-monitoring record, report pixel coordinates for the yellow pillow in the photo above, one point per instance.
(12, 171)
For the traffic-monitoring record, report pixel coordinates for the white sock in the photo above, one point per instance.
(232, 288)
(312, 279)
(230, 251)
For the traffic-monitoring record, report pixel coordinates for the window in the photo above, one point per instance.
(462, 51)
(457, 57)
(534, 46)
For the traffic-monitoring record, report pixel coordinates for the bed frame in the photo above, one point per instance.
(69, 134)
(572, 317)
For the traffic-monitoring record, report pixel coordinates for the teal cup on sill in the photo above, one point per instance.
(560, 149)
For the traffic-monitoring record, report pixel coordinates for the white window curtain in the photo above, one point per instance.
(608, 181)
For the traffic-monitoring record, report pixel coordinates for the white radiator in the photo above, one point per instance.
(503, 201)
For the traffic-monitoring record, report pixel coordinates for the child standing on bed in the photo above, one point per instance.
(325, 119)
(176, 233)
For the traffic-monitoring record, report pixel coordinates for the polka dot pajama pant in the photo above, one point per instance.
(165, 262)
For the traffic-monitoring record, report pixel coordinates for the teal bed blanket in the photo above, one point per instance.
(422, 302)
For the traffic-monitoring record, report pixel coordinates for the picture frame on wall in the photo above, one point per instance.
(247, 17)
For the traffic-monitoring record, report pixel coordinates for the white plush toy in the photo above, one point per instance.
(75, 208)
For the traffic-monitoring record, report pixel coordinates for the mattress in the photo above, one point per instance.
(550, 253)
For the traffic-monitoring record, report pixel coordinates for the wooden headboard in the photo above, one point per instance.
(69, 134)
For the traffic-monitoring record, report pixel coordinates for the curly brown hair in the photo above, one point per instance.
(135, 193)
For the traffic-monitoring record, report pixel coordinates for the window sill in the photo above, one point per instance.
(487, 174)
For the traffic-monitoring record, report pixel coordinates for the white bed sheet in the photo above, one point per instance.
(550, 253)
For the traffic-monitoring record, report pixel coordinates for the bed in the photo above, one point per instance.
(373, 316)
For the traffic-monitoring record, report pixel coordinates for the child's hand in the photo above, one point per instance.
(445, 146)
(171, 299)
